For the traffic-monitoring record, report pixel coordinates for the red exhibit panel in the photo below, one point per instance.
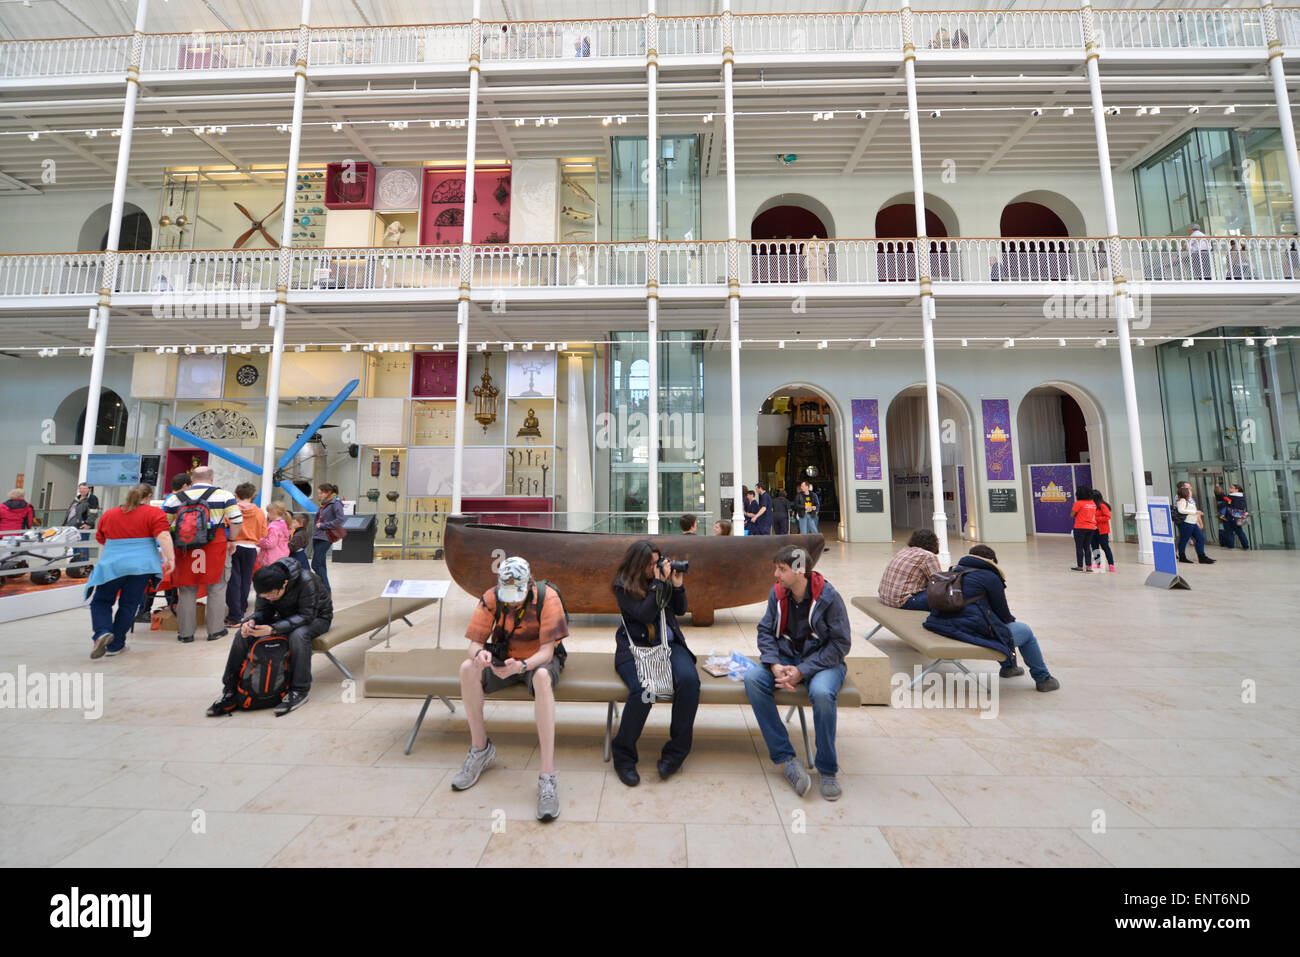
(349, 185)
(506, 511)
(442, 206)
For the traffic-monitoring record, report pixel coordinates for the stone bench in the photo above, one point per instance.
(371, 616)
(909, 626)
(588, 676)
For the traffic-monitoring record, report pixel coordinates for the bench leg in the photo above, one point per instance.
(418, 721)
(962, 668)
(790, 714)
(803, 726)
(339, 665)
(450, 707)
(609, 730)
(872, 632)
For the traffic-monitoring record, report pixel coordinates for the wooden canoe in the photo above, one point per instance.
(726, 571)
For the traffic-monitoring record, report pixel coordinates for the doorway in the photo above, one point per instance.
(1060, 440)
(907, 438)
(798, 434)
(777, 252)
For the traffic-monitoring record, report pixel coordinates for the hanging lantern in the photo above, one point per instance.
(485, 398)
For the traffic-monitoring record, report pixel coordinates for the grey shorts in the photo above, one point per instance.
(491, 683)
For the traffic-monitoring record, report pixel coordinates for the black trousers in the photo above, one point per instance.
(241, 580)
(1083, 547)
(686, 701)
(299, 656)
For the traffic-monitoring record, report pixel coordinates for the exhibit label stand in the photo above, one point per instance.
(1162, 546)
(414, 588)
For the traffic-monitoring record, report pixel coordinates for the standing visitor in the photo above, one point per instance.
(16, 514)
(300, 538)
(206, 563)
(247, 542)
(807, 506)
(1084, 513)
(1198, 247)
(1102, 540)
(1237, 516)
(82, 514)
(780, 513)
(1189, 519)
(274, 545)
(751, 511)
(137, 547)
(329, 529)
(763, 517)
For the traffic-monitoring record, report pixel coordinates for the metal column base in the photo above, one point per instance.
(424, 708)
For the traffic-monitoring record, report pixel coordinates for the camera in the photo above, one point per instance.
(671, 566)
(500, 651)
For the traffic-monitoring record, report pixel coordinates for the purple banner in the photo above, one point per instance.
(998, 458)
(1082, 475)
(866, 440)
(961, 493)
(1053, 491)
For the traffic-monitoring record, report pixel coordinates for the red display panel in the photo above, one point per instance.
(433, 375)
(442, 206)
(506, 511)
(343, 191)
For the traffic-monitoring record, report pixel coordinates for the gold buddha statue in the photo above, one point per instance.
(531, 428)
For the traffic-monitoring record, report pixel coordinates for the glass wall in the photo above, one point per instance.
(1232, 415)
(622, 428)
(1227, 181)
(679, 188)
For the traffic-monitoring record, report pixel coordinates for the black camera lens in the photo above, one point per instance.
(679, 566)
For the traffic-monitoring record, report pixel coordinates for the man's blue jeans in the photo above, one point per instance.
(1028, 645)
(808, 524)
(102, 619)
(918, 602)
(823, 690)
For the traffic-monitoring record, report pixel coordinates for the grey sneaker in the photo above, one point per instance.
(830, 787)
(102, 641)
(548, 799)
(476, 762)
(797, 776)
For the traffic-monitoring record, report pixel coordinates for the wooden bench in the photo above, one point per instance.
(909, 626)
(371, 616)
(588, 676)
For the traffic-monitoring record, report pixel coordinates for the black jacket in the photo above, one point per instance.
(780, 515)
(640, 612)
(985, 618)
(304, 600)
(79, 512)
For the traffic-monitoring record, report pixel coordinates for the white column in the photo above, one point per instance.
(939, 517)
(652, 273)
(100, 316)
(279, 310)
(581, 489)
(733, 271)
(1123, 305)
(466, 262)
(1283, 98)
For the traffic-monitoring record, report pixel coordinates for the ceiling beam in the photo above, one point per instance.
(77, 149)
(489, 111)
(1010, 142)
(216, 147)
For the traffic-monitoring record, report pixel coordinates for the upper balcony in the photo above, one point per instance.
(950, 38)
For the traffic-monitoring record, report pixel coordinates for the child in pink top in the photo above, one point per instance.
(275, 545)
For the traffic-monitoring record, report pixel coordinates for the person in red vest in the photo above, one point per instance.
(1102, 540)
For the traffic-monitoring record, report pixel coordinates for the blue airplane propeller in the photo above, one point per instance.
(306, 436)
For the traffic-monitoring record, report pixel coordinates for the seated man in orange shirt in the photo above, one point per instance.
(514, 637)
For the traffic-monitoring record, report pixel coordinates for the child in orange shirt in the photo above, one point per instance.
(1084, 512)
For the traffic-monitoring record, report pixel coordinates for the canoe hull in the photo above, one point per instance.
(726, 571)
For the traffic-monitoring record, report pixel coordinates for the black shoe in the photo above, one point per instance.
(667, 769)
(628, 776)
(184, 638)
(1049, 684)
(229, 623)
(294, 699)
(1185, 561)
(1205, 560)
(224, 705)
(220, 634)
(1012, 671)
(1077, 568)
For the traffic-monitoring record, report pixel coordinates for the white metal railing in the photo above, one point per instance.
(1230, 258)
(53, 274)
(389, 268)
(998, 30)
(683, 36)
(1011, 259)
(74, 56)
(1288, 25)
(236, 50)
(560, 264)
(1179, 29)
(817, 32)
(693, 264)
(563, 39)
(389, 46)
(176, 272)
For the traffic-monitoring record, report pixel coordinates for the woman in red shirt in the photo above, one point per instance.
(1084, 511)
(1102, 540)
(134, 536)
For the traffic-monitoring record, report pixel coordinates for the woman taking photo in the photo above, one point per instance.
(650, 597)
(133, 536)
(329, 526)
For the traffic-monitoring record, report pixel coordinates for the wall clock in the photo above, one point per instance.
(246, 375)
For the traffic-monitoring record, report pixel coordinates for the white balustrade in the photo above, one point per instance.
(690, 36)
(1288, 25)
(375, 268)
(1227, 258)
(73, 56)
(389, 46)
(236, 50)
(693, 264)
(177, 272)
(817, 33)
(523, 40)
(998, 30)
(1179, 29)
(560, 264)
(54, 274)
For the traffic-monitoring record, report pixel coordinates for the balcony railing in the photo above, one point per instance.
(1179, 29)
(755, 35)
(237, 50)
(174, 274)
(526, 40)
(75, 56)
(817, 33)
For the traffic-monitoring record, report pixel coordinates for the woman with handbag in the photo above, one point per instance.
(652, 659)
(329, 529)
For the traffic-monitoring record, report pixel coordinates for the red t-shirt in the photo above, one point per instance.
(1103, 519)
(1085, 514)
(143, 521)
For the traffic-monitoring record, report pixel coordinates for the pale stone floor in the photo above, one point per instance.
(1146, 756)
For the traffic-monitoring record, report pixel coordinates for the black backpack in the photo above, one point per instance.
(264, 675)
(943, 591)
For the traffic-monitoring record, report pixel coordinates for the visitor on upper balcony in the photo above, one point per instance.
(1198, 249)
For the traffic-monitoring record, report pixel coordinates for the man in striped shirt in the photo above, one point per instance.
(210, 565)
(903, 583)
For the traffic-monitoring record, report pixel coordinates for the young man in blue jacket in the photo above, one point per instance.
(803, 638)
(986, 620)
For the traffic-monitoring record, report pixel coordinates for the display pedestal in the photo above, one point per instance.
(1166, 580)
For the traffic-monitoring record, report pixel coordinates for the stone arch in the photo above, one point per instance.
(94, 230)
(1095, 425)
(1057, 205)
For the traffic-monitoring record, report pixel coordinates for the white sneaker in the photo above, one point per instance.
(476, 762)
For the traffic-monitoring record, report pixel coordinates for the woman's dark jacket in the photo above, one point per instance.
(985, 618)
(639, 612)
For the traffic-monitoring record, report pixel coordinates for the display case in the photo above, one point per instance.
(309, 211)
(350, 185)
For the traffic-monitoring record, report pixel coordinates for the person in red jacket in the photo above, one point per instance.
(1102, 540)
(1084, 512)
(17, 513)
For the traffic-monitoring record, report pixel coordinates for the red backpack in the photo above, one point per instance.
(192, 525)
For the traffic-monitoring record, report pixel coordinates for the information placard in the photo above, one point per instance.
(415, 588)
(112, 469)
(1002, 500)
(1163, 553)
(870, 499)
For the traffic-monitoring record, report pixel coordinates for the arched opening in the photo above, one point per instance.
(798, 438)
(136, 233)
(778, 252)
(907, 442)
(1061, 443)
(1031, 219)
(70, 418)
(896, 220)
(1034, 220)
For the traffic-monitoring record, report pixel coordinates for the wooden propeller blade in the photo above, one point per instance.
(273, 212)
(275, 243)
(244, 238)
(245, 212)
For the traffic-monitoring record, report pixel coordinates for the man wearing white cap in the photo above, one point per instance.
(515, 637)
